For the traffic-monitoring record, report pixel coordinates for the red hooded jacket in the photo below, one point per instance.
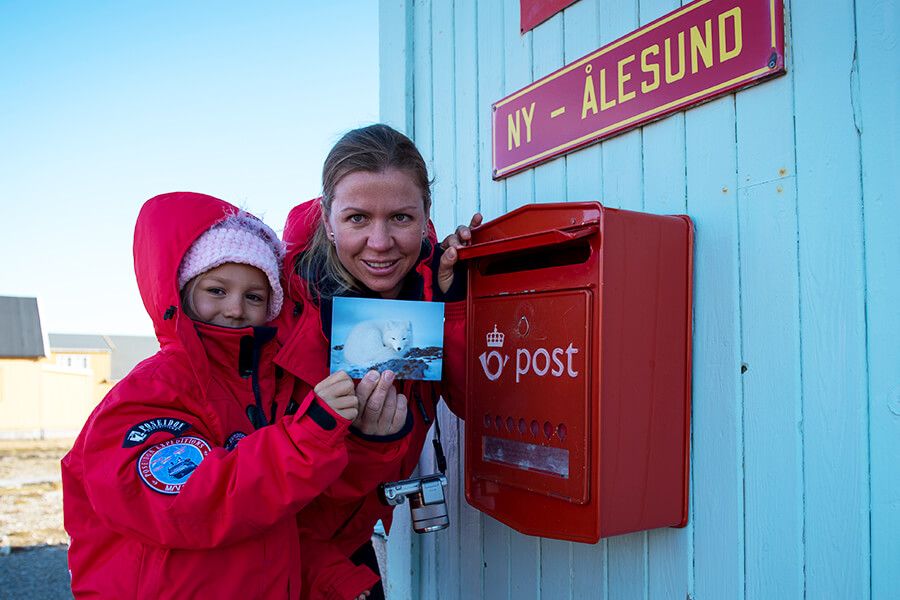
(187, 478)
(340, 521)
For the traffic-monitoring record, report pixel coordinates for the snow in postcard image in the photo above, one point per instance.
(404, 336)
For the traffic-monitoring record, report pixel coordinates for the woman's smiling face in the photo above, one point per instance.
(377, 222)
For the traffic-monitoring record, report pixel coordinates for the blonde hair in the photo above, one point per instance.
(187, 297)
(371, 149)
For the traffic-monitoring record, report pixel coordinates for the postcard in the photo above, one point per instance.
(403, 336)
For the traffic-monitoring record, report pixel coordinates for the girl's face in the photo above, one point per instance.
(230, 295)
(377, 221)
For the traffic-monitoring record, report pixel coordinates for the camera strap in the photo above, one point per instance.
(439, 458)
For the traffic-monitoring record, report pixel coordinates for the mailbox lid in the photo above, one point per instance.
(536, 218)
(536, 247)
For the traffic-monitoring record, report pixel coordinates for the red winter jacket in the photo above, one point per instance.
(170, 490)
(342, 520)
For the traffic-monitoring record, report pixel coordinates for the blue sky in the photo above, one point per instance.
(105, 104)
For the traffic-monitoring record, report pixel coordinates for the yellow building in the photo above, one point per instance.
(49, 385)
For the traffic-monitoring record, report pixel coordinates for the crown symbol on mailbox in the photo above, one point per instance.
(495, 338)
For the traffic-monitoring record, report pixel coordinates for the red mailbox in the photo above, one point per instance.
(578, 370)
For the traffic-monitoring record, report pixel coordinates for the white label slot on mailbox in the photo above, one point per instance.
(522, 455)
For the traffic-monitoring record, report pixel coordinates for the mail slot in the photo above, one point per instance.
(578, 370)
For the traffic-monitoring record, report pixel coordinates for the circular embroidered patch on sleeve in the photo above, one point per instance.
(233, 440)
(166, 467)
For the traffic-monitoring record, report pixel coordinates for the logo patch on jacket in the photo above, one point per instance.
(166, 467)
(139, 433)
(233, 440)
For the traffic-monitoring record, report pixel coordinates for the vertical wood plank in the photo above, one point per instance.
(402, 577)
(492, 32)
(444, 198)
(717, 429)
(549, 54)
(622, 164)
(669, 552)
(428, 545)
(770, 318)
(468, 105)
(622, 188)
(524, 566)
(395, 73)
(518, 58)
(626, 566)
(422, 78)
(583, 182)
(771, 385)
(832, 303)
(524, 551)
(449, 548)
(469, 523)
(663, 143)
(423, 107)
(444, 114)
(497, 565)
(584, 167)
(550, 186)
(877, 27)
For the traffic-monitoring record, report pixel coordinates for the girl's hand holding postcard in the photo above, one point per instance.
(404, 336)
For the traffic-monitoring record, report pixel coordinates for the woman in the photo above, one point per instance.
(368, 235)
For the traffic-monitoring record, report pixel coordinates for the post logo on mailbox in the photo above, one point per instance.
(537, 362)
(494, 340)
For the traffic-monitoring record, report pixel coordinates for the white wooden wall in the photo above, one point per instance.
(794, 187)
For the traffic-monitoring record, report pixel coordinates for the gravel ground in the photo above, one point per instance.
(32, 538)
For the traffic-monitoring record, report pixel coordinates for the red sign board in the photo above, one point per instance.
(534, 12)
(702, 50)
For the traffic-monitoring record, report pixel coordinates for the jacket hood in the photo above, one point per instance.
(299, 228)
(166, 227)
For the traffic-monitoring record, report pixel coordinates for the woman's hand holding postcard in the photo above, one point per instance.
(404, 336)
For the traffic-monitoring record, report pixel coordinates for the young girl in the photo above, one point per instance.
(187, 478)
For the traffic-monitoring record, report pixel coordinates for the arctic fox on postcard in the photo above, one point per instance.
(371, 342)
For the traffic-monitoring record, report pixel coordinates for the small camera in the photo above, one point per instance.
(427, 504)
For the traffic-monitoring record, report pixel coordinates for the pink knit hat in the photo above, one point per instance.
(239, 238)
